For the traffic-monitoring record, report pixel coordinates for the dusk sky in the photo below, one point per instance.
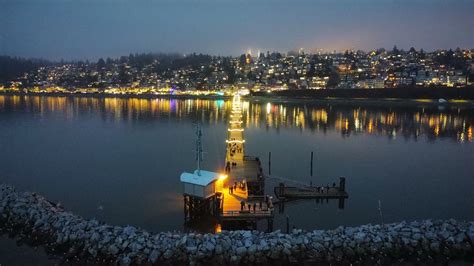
(89, 29)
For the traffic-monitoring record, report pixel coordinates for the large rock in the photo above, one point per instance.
(241, 251)
(131, 245)
(359, 237)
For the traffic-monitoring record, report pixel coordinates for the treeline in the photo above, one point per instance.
(13, 67)
(160, 62)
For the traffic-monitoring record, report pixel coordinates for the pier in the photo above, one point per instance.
(243, 195)
(235, 198)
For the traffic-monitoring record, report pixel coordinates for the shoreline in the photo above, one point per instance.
(38, 221)
(343, 101)
(121, 96)
(375, 102)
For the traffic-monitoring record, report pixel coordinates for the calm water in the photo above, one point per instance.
(119, 160)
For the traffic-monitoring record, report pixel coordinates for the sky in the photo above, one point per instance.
(90, 29)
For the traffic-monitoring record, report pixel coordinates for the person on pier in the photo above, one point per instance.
(227, 167)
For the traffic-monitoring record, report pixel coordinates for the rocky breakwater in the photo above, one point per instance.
(33, 217)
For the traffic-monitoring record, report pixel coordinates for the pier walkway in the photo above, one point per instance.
(239, 203)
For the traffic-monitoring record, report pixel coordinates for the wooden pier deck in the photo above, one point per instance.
(241, 169)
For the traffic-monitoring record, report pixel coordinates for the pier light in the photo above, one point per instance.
(235, 141)
(235, 129)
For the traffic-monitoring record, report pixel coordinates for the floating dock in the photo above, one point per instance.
(323, 192)
(319, 193)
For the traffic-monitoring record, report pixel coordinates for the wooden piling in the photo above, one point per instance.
(341, 203)
(270, 163)
(342, 184)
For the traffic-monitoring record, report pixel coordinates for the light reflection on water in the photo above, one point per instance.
(393, 122)
(125, 155)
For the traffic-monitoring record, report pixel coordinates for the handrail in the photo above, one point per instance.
(255, 197)
(247, 213)
(250, 158)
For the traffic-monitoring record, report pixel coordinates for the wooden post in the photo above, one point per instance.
(282, 190)
(342, 184)
(380, 211)
(270, 163)
(311, 171)
(185, 209)
(270, 225)
(341, 203)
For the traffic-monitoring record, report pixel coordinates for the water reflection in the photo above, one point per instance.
(407, 122)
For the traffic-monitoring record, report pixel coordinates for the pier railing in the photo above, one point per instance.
(248, 214)
(250, 158)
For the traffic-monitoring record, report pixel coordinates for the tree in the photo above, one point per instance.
(123, 77)
(229, 70)
(334, 79)
(251, 76)
(242, 59)
(100, 64)
(312, 70)
(395, 50)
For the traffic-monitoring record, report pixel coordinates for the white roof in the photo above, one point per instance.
(204, 179)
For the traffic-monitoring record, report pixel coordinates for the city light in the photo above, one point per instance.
(374, 69)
